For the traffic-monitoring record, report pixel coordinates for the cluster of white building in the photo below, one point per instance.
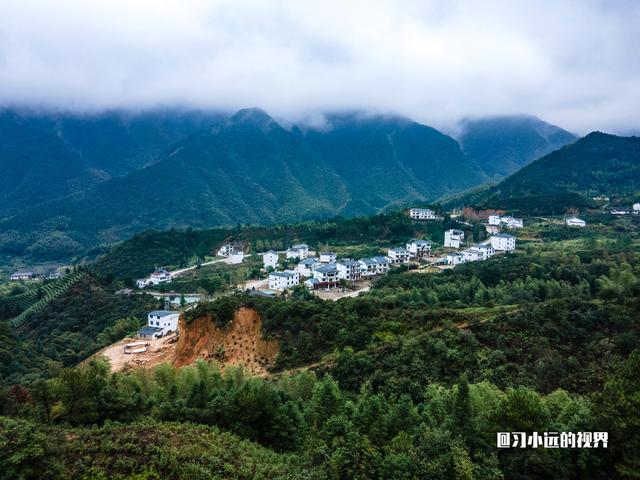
(501, 242)
(326, 271)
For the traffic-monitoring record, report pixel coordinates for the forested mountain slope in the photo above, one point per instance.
(250, 169)
(598, 164)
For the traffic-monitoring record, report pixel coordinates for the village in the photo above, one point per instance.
(321, 272)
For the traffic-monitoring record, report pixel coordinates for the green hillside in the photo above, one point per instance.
(502, 145)
(598, 164)
(250, 169)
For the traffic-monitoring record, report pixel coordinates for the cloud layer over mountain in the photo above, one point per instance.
(573, 63)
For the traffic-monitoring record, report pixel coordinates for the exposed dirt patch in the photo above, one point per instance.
(158, 351)
(239, 343)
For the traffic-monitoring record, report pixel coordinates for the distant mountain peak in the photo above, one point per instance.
(255, 117)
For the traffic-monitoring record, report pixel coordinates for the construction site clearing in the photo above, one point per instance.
(131, 353)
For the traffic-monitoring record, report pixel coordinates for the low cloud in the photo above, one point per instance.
(573, 63)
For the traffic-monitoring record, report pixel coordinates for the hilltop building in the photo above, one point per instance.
(159, 323)
(422, 214)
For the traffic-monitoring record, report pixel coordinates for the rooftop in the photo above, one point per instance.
(282, 274)
(308, 261)
(162, 313)
(331, 268)
(504, 235)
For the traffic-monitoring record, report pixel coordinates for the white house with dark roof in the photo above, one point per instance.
(422, 214)
(503, 242)
(418, 248)
(368, 267)
(280, 281)
(299, 251)
(485, 249)
(472, 255)
(575, 222)
(160, 323)
(453, 238)
(382, 265)
(327, 257)
(348, 269)
(270, 259)
(305, 267)
(326, 275)
(22, 275)
(398, 255)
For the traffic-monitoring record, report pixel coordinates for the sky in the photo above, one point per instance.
(572, 63)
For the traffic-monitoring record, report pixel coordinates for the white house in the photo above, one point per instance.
(503, 242)
(348, 269)
(326, 275)
(382, 266)
(305, 266)
(485, 249)
(422, 214)
(283, 280)
(270, 259)
(159, 323)
(507, 221)
(160, 276)
(494, 220)
(368, 267)
(471, 255)
(511, 222)
(453, 238)
(455, 258)
(226, 250)
(636, 208)
(575, 222)
(327, 257)
(398, 255)
(299, 251)
(22, 275)
(418, 248)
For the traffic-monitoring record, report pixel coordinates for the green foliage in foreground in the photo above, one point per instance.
(64, 428)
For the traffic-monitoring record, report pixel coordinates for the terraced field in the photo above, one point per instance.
(34, 300)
